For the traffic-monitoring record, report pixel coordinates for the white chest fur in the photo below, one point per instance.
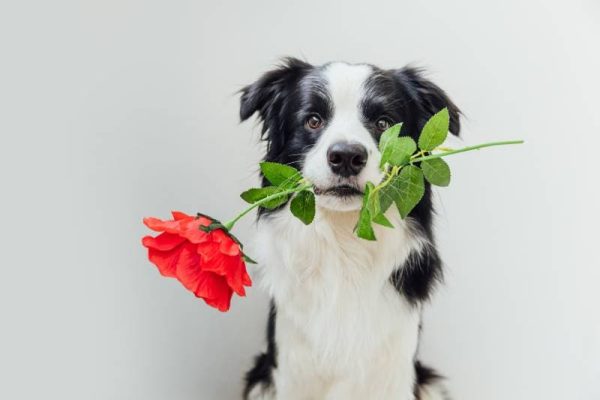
(342, 330)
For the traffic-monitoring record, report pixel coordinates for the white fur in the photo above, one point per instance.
(342, 330)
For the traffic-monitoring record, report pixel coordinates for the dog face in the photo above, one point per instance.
(327, 121)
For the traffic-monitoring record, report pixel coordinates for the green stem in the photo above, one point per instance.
(469, 148)
(231, 223)
(387, 180)
(419, 156)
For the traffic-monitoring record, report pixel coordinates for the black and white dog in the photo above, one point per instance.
(345, 315)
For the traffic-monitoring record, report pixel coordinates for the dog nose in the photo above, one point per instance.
(347, 159)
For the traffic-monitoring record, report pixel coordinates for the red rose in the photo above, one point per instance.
(209, 264)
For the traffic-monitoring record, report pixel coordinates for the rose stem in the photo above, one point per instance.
(469, 148)
(229, 224)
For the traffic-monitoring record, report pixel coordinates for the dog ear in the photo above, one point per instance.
(266, 94)
(429, 96)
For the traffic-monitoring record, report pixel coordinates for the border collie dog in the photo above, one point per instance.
(345, 315)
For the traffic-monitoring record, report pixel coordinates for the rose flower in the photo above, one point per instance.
(208, 262)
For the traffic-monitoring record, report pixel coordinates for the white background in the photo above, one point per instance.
(118, 109)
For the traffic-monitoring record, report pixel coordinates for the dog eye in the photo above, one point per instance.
(314, 122)
(383, 124)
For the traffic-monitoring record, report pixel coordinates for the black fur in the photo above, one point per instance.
(279, 98)
(264, 363)
(285, 96)
(404, 95)
(424, 376)
(418, 276)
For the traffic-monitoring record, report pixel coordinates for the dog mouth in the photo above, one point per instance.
(339, 191)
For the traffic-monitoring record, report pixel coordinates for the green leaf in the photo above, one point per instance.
(398, 151)
(386, 197)
(435, 130)
(408, 188)
(374, 208)
(373, 204)
(436, 171)
(389, 134)
(382, 220)
(256, 194)
(281, 175)
(364, 229)
(303, 206)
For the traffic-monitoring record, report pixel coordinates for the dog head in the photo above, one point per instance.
(327, 120)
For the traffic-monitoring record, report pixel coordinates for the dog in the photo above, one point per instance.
(345, 314)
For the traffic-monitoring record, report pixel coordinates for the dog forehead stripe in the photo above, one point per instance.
(346, 84)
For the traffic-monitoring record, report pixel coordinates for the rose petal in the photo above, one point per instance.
(208, 251)
(234, 277)
(188, 267)
(232, 268)
(218, 235)
(229, 247)
(246, 280)
(163, 242)
(159, 225)
(193, 233)
(215, 291)
(204, 221)
(178, 215)
(239, 276)
(166, 261)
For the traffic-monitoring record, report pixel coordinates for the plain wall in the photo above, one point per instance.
(114, 110)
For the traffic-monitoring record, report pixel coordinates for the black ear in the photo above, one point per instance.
(429, 97)
(267, 94)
